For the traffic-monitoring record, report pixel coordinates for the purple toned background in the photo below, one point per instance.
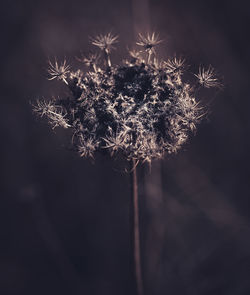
(64, 225)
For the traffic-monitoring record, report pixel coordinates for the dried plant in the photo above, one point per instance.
(207, 78)
(53, 112)
(106, 44)
(57, 71)
(142, 108)
(149, 42)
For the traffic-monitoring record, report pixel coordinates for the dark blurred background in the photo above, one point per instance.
(64, 226)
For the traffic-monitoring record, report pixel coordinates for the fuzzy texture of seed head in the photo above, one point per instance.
(141, 109)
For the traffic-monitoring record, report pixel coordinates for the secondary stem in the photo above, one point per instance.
(135, 232)
(107, 58)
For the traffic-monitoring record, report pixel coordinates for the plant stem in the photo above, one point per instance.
(135, 231)
(149, 55)
(107, 58)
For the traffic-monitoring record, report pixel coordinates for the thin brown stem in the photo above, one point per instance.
(107, 58)
(149, 56)
(135, 231)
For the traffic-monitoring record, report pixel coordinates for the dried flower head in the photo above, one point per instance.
(207, 78)
(175, 65)
(139, 109)
(53, 112)
(149, 41)
(58, 71)
(105, 42)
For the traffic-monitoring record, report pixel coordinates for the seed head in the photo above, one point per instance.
(140, 109)
(149, 41)
(207, 78)
(105, 42)
(58, 71)
(53, 112)
(175, 65)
